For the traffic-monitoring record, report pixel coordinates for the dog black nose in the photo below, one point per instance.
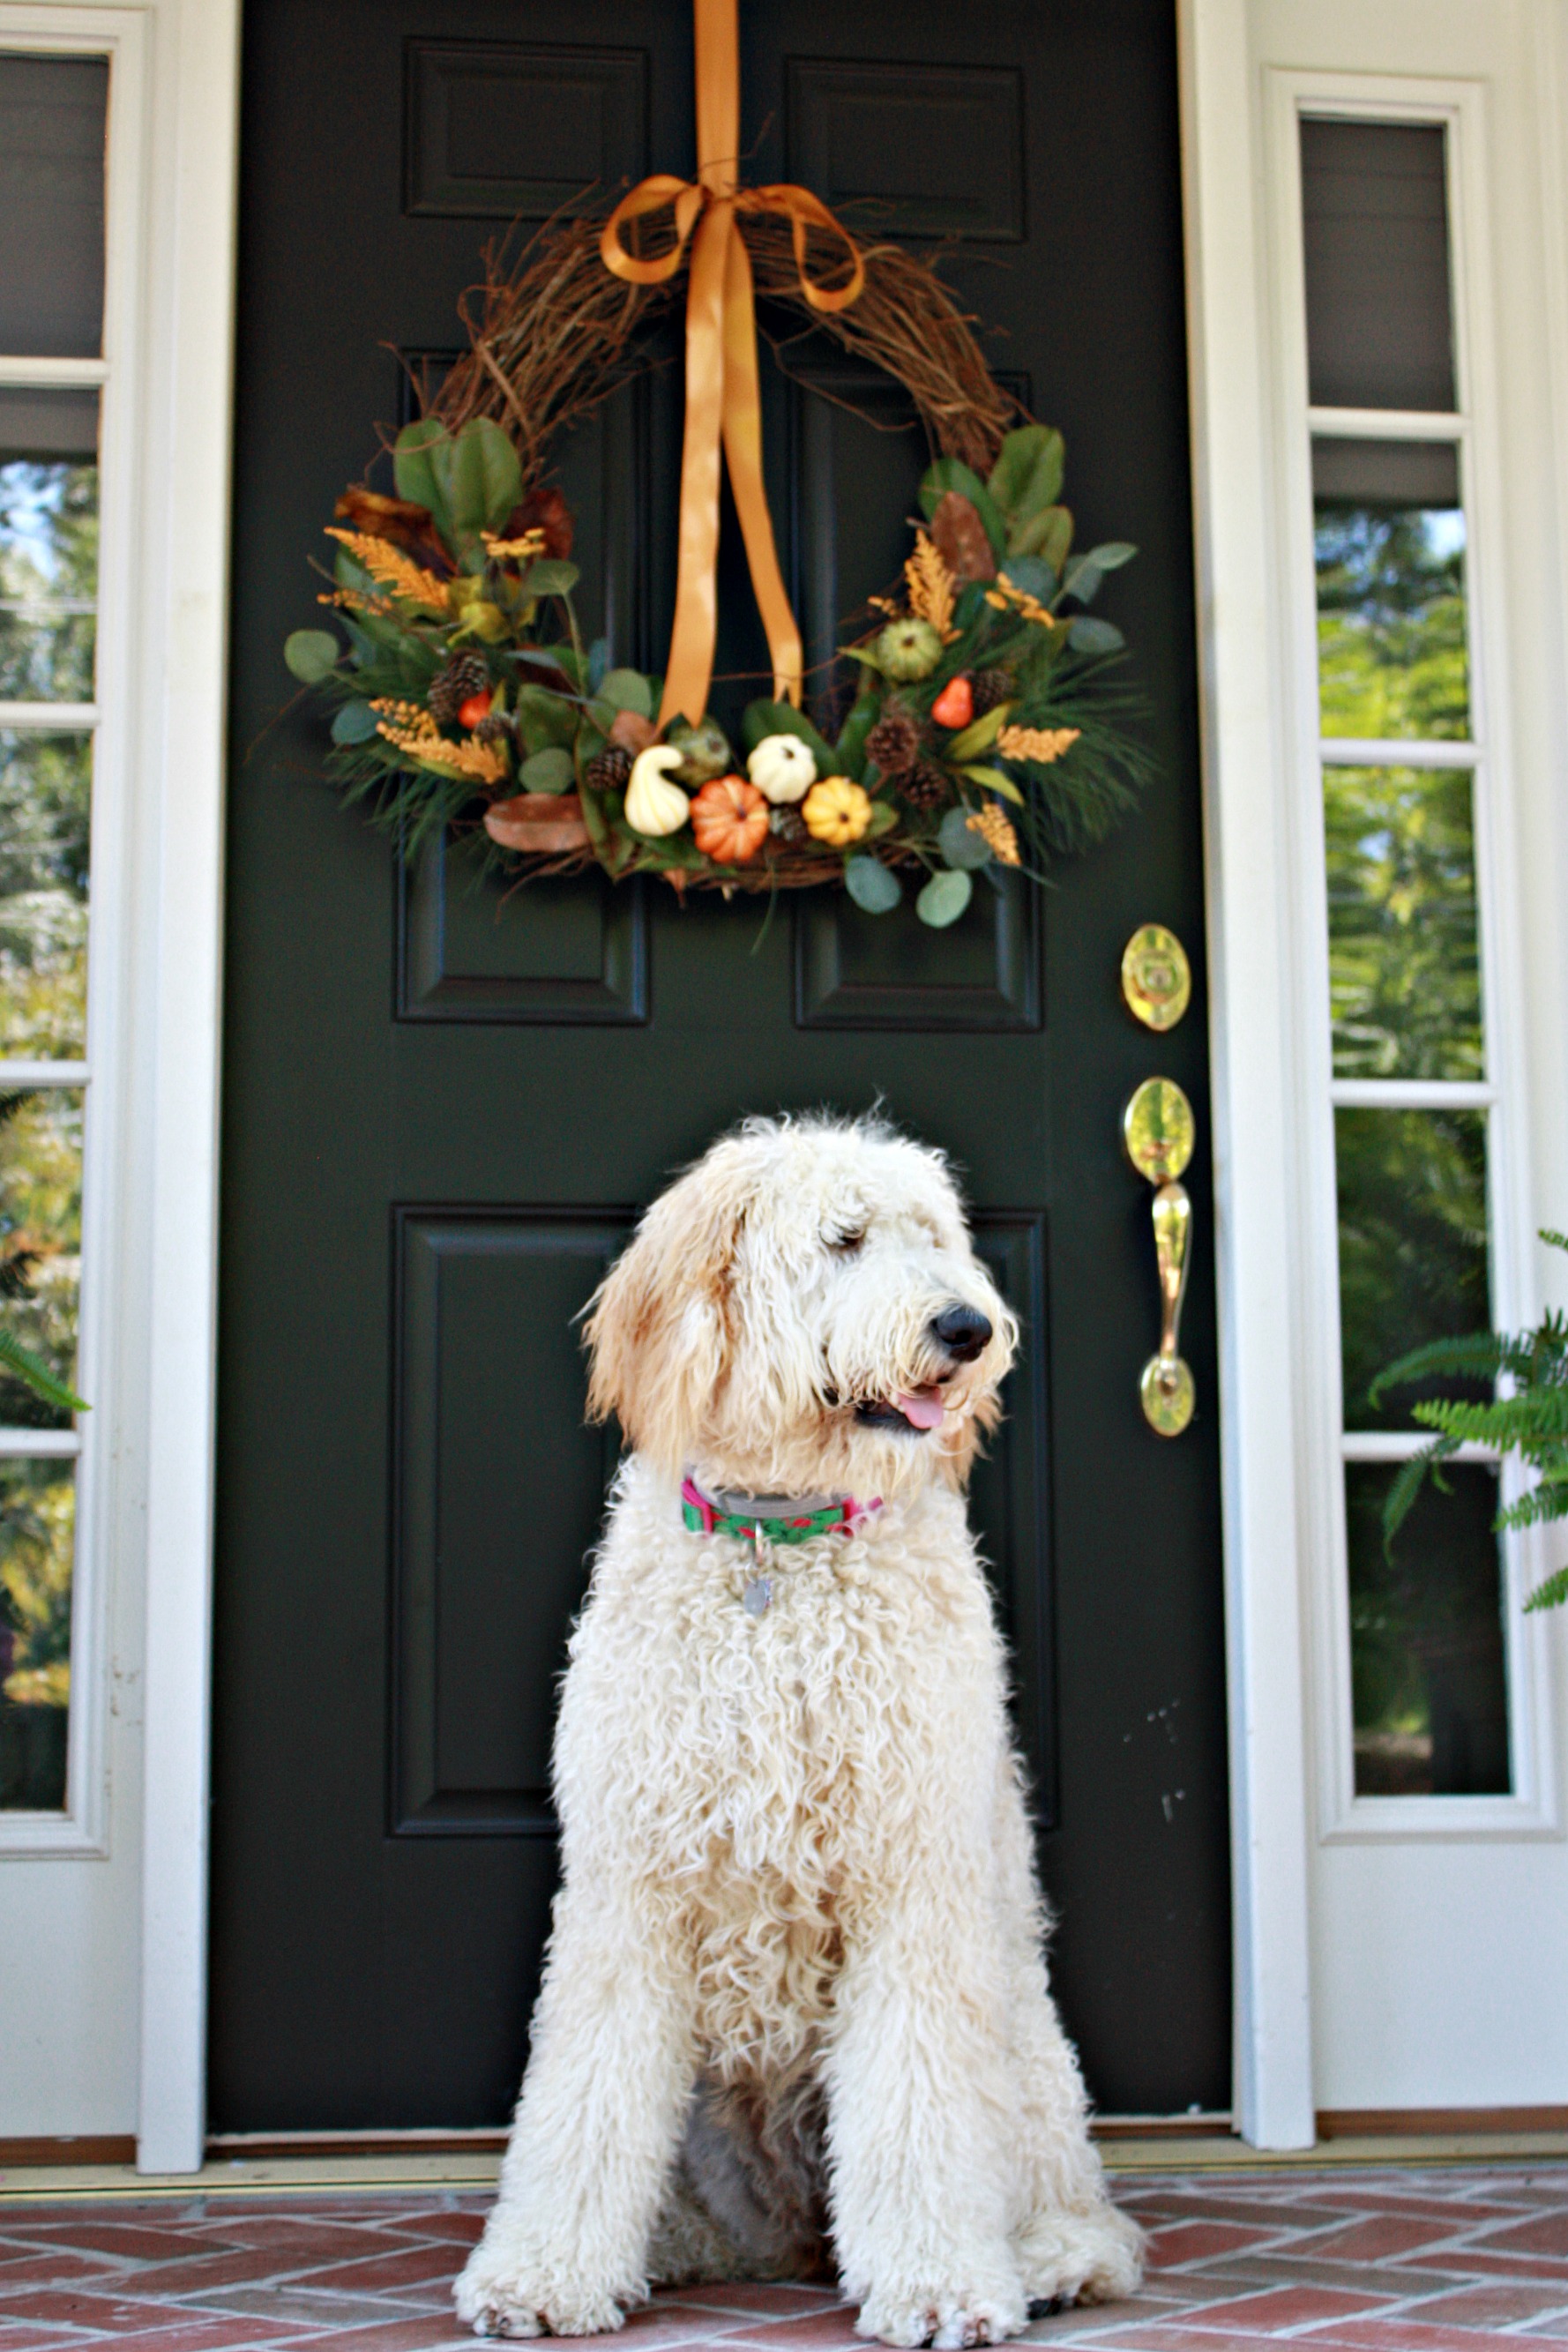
(961, 1330)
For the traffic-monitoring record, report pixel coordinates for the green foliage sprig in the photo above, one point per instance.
(1531, 1421)
(18, 1259)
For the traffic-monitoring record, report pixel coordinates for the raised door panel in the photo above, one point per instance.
(497, 131)
(927, 151)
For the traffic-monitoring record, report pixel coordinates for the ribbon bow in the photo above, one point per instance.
(723, 401)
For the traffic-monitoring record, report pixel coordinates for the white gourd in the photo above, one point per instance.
(782, 769)
(654, 804)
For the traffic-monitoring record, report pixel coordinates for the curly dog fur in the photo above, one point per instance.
(795, 2013)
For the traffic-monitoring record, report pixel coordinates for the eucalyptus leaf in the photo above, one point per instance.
(1035, 578)
(626, 689)
(948, 474)
(550, 771)
(415, 475)
(311, 655)
(598, 664)
(1082, 578)
(552, 575)
(884, 818)
(356, 722)
(875, 888)
(963, 848)
(544, 718)
(1113, 553)
(1027, 475)
(1088, 635)
(943, 899)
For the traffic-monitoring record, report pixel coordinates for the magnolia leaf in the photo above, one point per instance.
(948, 474)
(1027, 475)
(356, 722)
(961, 537)
(960, 844)
(1048, 535)
(626, 689)
(943, 899)
(874, 888)
(550, 771)
(415, 475)
(849, 751)
(311, 655)
(994, 781)
(978, 736)
(1088, 635)
(481, 476)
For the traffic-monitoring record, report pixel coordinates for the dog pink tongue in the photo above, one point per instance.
(923, 1408)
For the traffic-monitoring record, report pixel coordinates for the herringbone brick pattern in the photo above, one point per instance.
(1454, 2259)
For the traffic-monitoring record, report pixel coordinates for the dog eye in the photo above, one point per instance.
(844, 1245)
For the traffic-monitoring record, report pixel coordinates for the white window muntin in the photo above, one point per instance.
(119, 34)
(1471, 429)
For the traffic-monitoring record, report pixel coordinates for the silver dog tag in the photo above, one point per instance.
(758, 1596)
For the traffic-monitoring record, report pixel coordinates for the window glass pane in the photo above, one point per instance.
(46, 792)
(53, 113)
(1379, 312)
(1390, 534)
(1427, 1665)
(1404, 970)
(48, 545)
(37, 1527)
(40, 1240)
(1413, 1243)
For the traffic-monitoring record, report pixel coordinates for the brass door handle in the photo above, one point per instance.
(1159, 1130)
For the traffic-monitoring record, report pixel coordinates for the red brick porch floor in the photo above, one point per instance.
(1447, 2259)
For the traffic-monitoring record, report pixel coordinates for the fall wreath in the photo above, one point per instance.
(974, 715)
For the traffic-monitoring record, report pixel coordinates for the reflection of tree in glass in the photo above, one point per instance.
(37, 1521)
(40, 1252)
(1391, 621)
(1428, 1667)
(46, 787)
(48, 579)
(1413, 1240)
(1404, 972)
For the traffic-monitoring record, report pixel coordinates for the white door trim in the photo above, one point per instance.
(185, 666)
(1255, 1206)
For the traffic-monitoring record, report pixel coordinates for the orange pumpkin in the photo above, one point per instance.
(730, 820)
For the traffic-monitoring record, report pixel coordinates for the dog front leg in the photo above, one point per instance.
(918, 2108)
(603, 2096)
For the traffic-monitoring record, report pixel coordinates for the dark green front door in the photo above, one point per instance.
(443, 1111)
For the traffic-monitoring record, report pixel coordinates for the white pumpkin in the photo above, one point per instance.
(782, 769)
(654, 804)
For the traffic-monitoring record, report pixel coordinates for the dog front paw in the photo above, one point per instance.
(946, 2315)
(1082, 2257)
(499, 2294)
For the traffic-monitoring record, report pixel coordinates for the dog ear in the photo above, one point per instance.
(660, 1327)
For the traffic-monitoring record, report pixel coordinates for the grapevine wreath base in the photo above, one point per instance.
(974, 718)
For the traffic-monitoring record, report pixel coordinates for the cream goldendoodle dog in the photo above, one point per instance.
(795, 1994)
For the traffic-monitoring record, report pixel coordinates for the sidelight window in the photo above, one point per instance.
(1405, 766)
(54, 111)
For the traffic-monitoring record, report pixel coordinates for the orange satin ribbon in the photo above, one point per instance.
(723, 401)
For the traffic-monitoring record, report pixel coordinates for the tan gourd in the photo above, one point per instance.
(654, 804)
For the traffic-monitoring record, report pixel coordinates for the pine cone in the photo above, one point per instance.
(926, 786)
(787, 824)
(608, 770)
(895, 741)
(450, 687)
(992, 686)
(497, 727)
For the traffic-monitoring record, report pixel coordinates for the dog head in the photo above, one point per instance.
(802, 1312)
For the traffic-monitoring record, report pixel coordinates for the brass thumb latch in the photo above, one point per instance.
(1159, 1130)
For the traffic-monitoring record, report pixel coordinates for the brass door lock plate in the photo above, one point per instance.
(1156, 978)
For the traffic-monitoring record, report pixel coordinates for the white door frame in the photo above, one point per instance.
(196, 78)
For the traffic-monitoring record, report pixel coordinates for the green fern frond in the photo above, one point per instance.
(1551, 1594)
(1480, 1354)
(1408, 1484)
(15, 1358)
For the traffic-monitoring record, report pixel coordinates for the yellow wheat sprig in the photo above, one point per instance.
(354, 600)
(996, 831)
(1029, 607)
(930, 585)
(480, 763)
(513, 551)
(392, 568)
(1042, 744)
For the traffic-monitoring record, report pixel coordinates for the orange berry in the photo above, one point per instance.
(475, 708)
